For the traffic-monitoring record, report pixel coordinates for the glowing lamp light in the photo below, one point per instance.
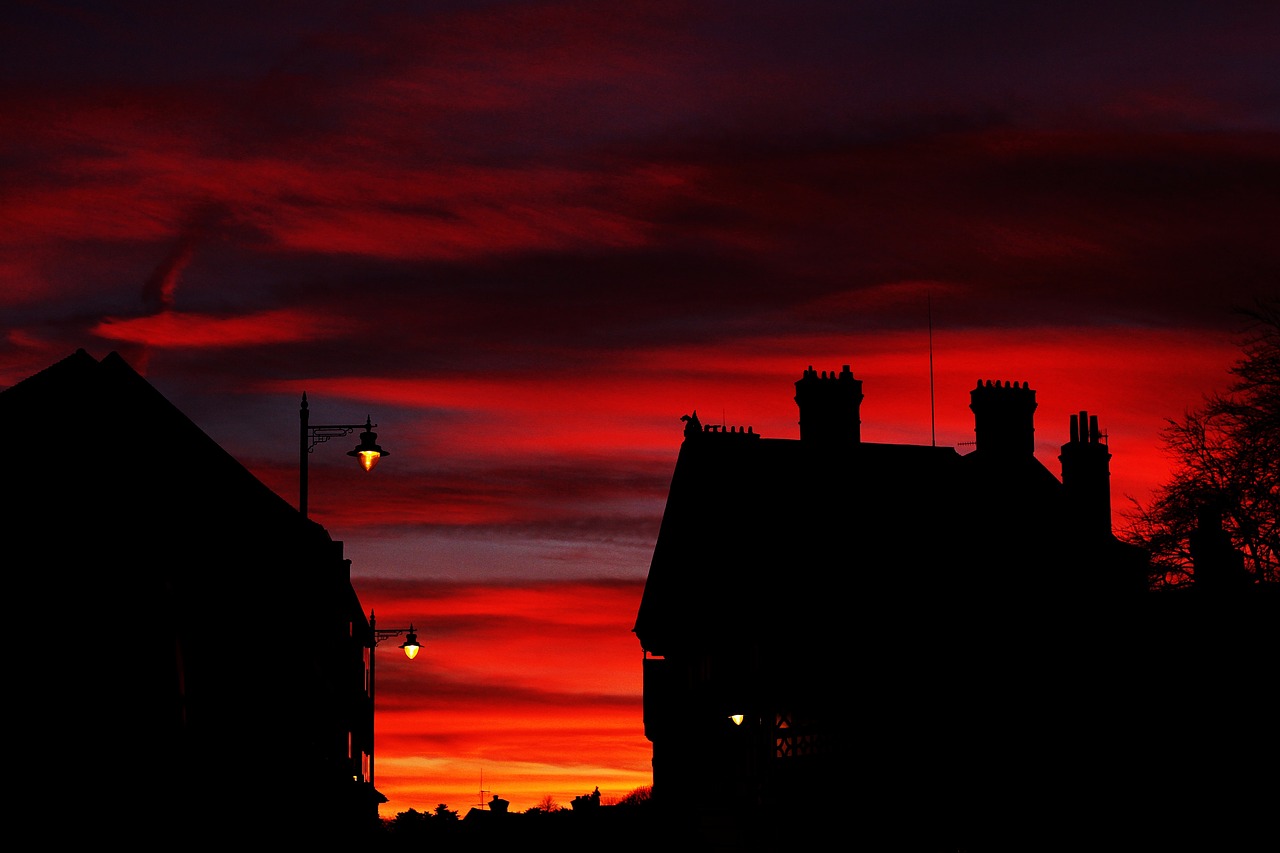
(737, 719)
(368, 458)
(410, 644)
(368, 452)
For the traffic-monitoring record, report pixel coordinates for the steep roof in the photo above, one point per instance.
(107, 419)
(790, 539)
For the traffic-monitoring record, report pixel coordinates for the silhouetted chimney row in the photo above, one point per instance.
(1004, 418)
(830, 407)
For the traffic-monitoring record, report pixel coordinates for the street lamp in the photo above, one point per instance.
(367, 452)
(410, 646)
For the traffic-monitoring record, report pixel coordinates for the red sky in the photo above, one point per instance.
(526, 237)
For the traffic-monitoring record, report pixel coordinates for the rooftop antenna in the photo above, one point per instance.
(933, 430)
(483, 791)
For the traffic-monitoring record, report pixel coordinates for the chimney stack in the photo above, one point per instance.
(1086, 475)
(830, 407)
(1004, 418)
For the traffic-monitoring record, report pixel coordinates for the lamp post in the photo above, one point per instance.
(410, 646)
(367, 452)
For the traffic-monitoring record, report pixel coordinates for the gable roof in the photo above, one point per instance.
(784, 539)
(102, 418)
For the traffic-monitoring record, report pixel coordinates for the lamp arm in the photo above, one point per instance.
(321, 433)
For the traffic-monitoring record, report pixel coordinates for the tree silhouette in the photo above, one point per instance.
(638, 796)
(412, 829)
(1227, 454)
(407, 829)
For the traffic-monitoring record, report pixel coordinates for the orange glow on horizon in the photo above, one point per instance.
(537, 686)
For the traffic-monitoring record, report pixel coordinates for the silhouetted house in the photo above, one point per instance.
(190, 652)
(903, 629)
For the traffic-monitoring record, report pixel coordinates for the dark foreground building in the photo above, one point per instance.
(928, 650)
(189, 655)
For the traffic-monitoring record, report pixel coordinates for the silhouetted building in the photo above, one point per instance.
(934, 648)
(192, 654)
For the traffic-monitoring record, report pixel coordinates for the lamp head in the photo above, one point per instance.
(368, 452)
(410, 644)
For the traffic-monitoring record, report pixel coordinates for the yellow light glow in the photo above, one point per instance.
(368, 458)
(737, 719)
(411, 651)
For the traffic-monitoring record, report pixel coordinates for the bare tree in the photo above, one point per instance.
(638, 796)
(1228, 457)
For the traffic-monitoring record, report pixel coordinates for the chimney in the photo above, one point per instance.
(1216, 564)
(1086, 476)
(1004, 418)
(829, 407)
